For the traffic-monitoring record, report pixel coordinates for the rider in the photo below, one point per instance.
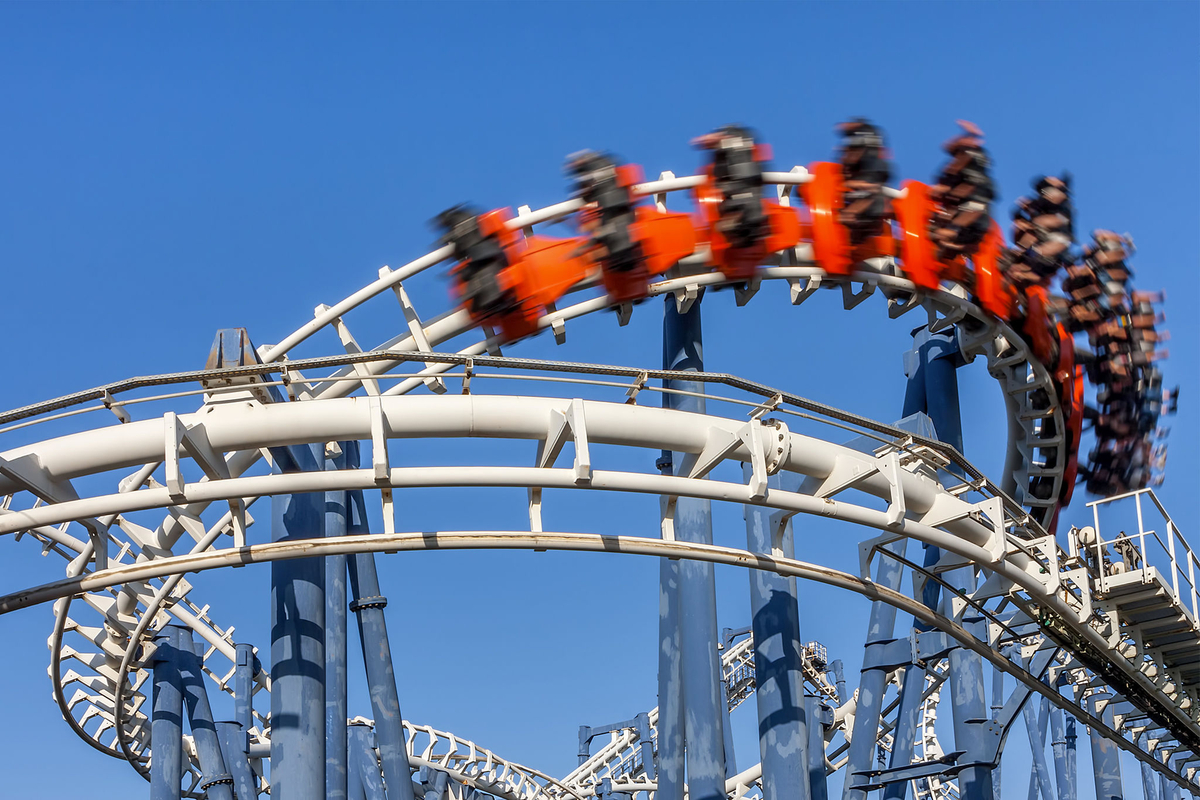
(865, 170)
(965, 190)
(481, 260)
(597, 182)
(738, 176)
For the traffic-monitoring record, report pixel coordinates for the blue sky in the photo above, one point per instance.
(173, 169)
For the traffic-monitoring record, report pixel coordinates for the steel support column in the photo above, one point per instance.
(1035, 715)
(1150, 784)
(704, 711)
(245, 666)
(970, 709)
(336, 509)
(233, 746)
(364, 765)
(216, 781)
(931, 367)
(298, 639)
(873, 682)
(166, 721)
(668, 764)
(368, 606)
(1062, 741)
(779, 672)
(1106, 760)
(815, 716)
(904, 737)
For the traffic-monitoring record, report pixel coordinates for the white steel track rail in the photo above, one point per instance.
(1023, 571)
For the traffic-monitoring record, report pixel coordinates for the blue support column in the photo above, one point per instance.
(931, 367)
(233, 746)
(368, 606)
(817, 715)
(166, 721)
(997, 705)
(668, 764)
(1170, 789)
(363, 763)
(1150, 784)
(839, 680)
(1062, 742)
(904, 737)
(779, 672)
(436, 788)
(1106, 760)
(245, 667)
(873, 682)
(704, 710)
(336, 512)
(970, 709)
(216, 782)
(1036, 717)
(298, 639)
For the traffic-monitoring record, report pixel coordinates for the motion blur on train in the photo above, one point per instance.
(1075, 307)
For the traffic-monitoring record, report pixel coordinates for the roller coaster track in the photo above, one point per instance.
(1036, 595)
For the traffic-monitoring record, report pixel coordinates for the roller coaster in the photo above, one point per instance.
(135, 487)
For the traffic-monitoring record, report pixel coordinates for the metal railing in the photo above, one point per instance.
(1163, 550)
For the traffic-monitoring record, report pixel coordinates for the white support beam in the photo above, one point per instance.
(351, 347)
(28, 473)
(413, 320)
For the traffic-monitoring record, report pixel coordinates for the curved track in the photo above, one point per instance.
(60, 492)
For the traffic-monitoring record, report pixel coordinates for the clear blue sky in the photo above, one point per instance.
(172, 169)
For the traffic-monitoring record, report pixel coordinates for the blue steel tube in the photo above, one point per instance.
(904, 737)
(1170, 789)
(997, 705)
(363, 763)
(1035, 726)
(1150, 784)
(368, 607)
(245, 666)
(1106, 759)
(216, 782)
(970, 706)
(873, 682)
(166, 720)
(704, 710)
(233, 747)
(298, 639)
(936, 360)
(1062, 742)
(668, 763)
(814, 713)
(336, 508)
(779, 672)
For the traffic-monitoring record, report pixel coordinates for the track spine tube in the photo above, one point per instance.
(783, 718)
(704, 710)
(166, 724)
(298, 638)
(377, 654)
